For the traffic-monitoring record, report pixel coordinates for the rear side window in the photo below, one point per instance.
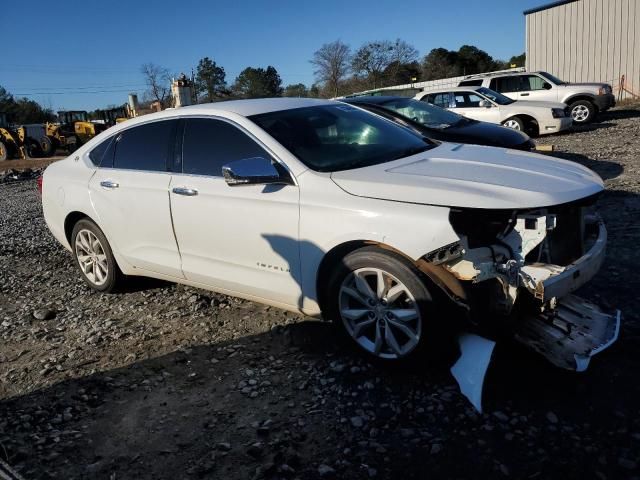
(98, 153)
(442, 100)
(146, 147)
(506, 84)
(209, 144)
(471, 83)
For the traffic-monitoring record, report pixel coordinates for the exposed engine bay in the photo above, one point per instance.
(521, 267)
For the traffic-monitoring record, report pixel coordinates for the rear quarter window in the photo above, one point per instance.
(471, 83)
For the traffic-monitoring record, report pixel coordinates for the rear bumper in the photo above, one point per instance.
(605, 102)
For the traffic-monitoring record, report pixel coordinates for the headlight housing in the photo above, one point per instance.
(604, 90)
(557, 112)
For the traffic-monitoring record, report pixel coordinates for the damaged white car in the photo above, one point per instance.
(328, 210)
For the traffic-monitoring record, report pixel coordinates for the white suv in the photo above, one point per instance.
(480, 103)
(323, 208)
(585, 100)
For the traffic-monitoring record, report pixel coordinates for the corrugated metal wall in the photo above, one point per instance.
(587, 41)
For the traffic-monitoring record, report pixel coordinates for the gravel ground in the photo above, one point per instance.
(166, 381)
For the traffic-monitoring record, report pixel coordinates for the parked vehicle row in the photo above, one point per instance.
(326, 209)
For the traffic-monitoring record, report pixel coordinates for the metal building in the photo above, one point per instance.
(587, 41)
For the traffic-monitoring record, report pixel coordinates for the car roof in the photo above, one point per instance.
(374, 99)
(256, 106)
(492, 75)
(454, 89)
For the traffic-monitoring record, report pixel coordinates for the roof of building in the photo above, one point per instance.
(547, 6)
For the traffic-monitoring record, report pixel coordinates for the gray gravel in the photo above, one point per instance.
(166, 381)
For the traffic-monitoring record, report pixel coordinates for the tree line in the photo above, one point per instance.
(22, 110)
(338, 70)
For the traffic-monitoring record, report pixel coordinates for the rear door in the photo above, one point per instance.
(130, 193)
(240, 239)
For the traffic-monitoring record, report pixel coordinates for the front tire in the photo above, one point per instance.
(4, 153)
(514, 123)
(582, 111)
(381, 302)
(94, 257)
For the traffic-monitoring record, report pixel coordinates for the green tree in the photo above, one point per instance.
(258, 83)
(296, 90)
(23, 110)
(210, 79)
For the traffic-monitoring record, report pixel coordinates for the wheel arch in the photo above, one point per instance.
(531, 126)
(70, 221)
(450, 286)
(581, 96)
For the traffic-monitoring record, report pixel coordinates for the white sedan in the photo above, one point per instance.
(480, 103)
(327, 210)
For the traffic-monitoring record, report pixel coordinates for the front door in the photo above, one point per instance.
(130, 194)
(241, 239)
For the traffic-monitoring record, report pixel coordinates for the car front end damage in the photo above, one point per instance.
(519, 268)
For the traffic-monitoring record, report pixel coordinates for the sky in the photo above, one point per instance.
(87, 55)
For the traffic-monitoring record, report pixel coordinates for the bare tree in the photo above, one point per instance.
(158, 80)
(371, 59)
(401, 55)
(332, 64)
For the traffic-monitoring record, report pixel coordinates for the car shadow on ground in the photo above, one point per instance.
(617, 114)
(246, 408)
(607, 169)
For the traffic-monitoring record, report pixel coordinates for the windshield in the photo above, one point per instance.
(340, 137)
(423, 112)
(552, 79)
(495, 96)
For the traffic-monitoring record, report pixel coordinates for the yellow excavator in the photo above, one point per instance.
(11, 140)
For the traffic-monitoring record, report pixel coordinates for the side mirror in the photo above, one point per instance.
(485, 103)
(546, 86)
(254, 171)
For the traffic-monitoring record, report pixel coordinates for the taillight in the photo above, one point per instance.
(40, 184)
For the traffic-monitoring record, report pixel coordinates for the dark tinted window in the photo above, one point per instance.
(330, 138)
(506, 84)
(471, 83)
(96, 155)
(210, 144)
(146, 147)
(442, 100)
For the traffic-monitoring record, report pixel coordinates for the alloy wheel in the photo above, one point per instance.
(512, 124)
(580, 113)
(91, 257)
(380, 313)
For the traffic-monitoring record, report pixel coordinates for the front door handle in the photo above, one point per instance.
(187, 192)
(108, 184)
(524, 94)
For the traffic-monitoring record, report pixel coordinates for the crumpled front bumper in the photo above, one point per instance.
(547, 281)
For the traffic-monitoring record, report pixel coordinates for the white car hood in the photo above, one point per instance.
(473, 176)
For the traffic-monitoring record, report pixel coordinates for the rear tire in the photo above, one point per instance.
(94, 257)
(46, 146)
(582, 111)
(4, 153)
(381, 302)
(514, 123)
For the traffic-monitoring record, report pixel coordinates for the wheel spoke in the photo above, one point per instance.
(405, 314)
(354, 294)
(390, 340)
(377, 346)
(354, 314)
(359, 327)
(380, 285)
(363, 286)
(404, 329)
(394, 292)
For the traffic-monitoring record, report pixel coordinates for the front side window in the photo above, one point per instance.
(441, 100)
(209, 144)
(145, 147)
(339, 137)
(534, 82)
(423, 113)
(467, 100)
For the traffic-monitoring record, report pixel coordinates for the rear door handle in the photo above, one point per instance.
(108, 184)
(187, 192)
(524, 94)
